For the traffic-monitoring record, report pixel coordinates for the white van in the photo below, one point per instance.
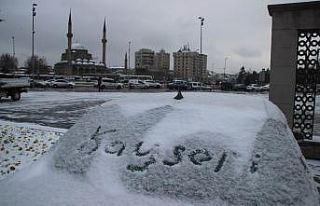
(137, 84)
(195, 85)
(108, 83)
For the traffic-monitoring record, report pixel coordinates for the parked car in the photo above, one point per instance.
(48, 83)
(205, 87)
(175, 84)
(194, 85)
(62, 83)
(37, 83)
(265, 87)
(152, 84)
(137, 84)
(253, 88)
(226, 86)
(109, 83)
(125, 82)
(239, 87)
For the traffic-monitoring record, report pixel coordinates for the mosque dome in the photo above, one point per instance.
(77, 46)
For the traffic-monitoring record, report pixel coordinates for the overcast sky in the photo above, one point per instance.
(237, 29)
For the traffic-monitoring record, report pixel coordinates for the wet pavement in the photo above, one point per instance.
(53, 109)
(63, 115)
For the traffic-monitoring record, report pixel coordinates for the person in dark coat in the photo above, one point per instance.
(99, 83)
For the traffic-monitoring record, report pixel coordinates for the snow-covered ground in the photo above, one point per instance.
(314, 166)
(21, 144)
(143, 149)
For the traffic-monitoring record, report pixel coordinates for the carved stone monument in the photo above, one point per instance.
(295, 63)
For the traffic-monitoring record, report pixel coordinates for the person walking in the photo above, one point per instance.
(99, 84)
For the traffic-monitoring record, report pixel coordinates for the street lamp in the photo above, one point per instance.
(225, 67)
(13, 47)
(32, 56)
(1, 20)
(13, 55)
(129, 54)
(201, 26)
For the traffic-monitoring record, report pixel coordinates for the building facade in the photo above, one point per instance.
(147, 62)
(162, 65)
(144, 60)
(190, 65)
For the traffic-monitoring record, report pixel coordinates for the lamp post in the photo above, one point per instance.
(1, 20)
(32, 56)
(13, 47)
(201, 26)
(13, 55)
(225, 67)
(129, 54)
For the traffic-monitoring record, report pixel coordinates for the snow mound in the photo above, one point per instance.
(143, 149)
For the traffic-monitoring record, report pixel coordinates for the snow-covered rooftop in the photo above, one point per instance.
(149, 149)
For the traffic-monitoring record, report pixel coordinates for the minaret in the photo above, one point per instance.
(104, 41)
(126, 64)
(69, 35)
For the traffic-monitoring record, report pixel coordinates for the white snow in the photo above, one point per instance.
(23, 143)
(230, 150)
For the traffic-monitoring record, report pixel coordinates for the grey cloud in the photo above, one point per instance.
(248, 52)
(167, 24)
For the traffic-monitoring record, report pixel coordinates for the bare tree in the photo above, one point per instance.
(8, 63)
(40, 65)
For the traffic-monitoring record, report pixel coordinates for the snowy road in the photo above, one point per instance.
(54, 109)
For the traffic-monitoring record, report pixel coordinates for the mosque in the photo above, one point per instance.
(77, 61)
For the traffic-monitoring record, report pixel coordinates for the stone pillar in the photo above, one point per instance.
(287, 20)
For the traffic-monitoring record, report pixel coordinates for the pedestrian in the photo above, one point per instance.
(99, 83)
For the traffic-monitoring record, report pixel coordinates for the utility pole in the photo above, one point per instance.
(1, 20)
(201, 26)
(13, 47)
(129, 54)
(32, 56)
(225, 67)
(13, 55)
